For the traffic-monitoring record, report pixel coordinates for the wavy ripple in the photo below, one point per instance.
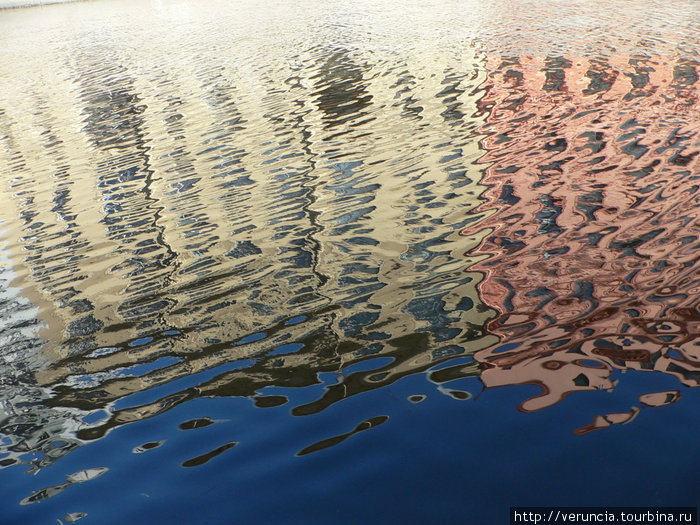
(591, 246)
(204, 204)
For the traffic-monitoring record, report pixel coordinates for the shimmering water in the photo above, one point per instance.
(269, 265)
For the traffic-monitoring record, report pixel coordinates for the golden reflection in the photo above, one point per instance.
(205, 226)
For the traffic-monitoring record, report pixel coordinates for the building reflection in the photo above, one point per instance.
(221, 231)
(590, 224)
(207, 227)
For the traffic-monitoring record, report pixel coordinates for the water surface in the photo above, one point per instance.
(272, 265)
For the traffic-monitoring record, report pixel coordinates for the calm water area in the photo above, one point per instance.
(309, 262)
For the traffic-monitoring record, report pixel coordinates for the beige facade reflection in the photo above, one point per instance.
(209, 227)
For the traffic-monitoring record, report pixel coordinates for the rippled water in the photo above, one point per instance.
(236, 238)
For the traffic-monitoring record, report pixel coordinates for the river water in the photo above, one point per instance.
(347, 261)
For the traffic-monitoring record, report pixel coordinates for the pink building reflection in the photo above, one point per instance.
(593, 236)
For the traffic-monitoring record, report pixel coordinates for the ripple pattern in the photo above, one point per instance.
(234, 218)
(238, 201)
(591, 232)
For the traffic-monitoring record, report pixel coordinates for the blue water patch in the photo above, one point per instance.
(506, 347)
(94, 417)
(141, 341)
(251, 338)
(286, 349)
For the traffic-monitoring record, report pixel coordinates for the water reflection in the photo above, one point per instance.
(213, 217)
(275, 226)
(591, 237)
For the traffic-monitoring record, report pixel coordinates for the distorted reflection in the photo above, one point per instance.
(592, 235)
(78, 477)
(211, 219)
(248, 238)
